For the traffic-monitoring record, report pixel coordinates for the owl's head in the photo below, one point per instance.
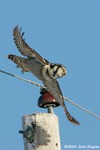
(60, 71)
(56, 70)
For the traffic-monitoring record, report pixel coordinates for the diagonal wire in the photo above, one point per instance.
(23, 79)
(89, 112)
(29, 81)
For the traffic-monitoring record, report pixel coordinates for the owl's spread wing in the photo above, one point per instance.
(53, 87)
(28, 65)
(20, 62)
(24, 47)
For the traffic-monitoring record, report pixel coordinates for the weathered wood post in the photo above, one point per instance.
(41, 130)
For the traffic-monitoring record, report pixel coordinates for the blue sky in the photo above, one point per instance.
(66, 32)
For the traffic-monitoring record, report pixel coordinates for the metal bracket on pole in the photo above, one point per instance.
(29, 133)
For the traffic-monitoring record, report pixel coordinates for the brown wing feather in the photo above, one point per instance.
(28, 64)
(53, 87)
(24, 47)
(21, 62)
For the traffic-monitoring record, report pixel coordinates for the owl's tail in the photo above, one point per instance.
(69, 117)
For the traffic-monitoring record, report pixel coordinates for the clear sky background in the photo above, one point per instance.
(66, 32)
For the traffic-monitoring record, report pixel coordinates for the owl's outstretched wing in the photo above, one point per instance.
(20, 62)
(28, 65)
(24, 47)
(53, 87)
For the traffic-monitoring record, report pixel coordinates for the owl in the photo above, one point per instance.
(44, 70)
